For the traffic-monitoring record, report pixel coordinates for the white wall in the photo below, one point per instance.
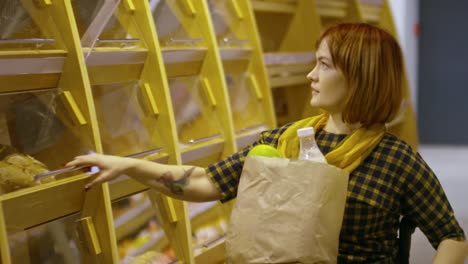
(447, 162)
(406, 16)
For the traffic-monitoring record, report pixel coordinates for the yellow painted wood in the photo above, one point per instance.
(337, 4)
(212, 70)
(73, 108)
(371, 12)
(186, 13)
(170, 210)
(154, 75)
(41, 16)
(87, 233)
(332, 13)
(46, 2)
(227, 208)
(386, 19)
(114, 73)
(125, 188)
(37, 205)
(97, 205)
(177, 231)
(275, 70)
(4, 247)
(294, 32)
(286, 81)
(183, 69)
(30, 82)
(243, 28)
(189, 8)
(236, 66)
(208, 91)
(175, 223)
(257, 67)
(129, 5)
(203, 145)
(304, 29)
(353, 13)
(134, 224)
(259, 5)
(32, 53)
(214, 255)
(237, 9)
(125, 15)
(254, 84)
(211, 216)
(75, 81)
(75, 77)
(150, 98)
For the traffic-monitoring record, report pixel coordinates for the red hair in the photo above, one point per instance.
(372, 63)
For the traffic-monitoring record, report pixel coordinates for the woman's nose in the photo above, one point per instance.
(312, 75)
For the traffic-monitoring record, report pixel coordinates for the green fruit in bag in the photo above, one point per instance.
(265, 151)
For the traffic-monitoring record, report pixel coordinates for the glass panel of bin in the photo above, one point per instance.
(55, 242)
(124, 118)
(106, 24)
(37, 135)
(175, 25)
(196, 120)
(139, 234)
(247, 111)
(20, 28)
(209, 225)
(229, 28)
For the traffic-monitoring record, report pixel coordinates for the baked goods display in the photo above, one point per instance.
(17, 171)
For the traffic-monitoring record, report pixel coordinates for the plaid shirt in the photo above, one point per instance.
(392, 181)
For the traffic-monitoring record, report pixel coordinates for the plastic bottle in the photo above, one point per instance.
(308, 146)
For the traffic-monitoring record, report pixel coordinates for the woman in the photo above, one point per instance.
(357, 81)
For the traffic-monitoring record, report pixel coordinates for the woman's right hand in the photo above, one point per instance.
(110, 167)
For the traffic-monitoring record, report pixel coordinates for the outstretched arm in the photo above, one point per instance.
(183, 182)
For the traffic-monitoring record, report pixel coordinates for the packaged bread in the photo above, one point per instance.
(17, 171)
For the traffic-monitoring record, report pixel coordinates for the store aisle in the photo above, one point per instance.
(450, 163)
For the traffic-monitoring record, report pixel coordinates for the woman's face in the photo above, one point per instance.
(328, 82)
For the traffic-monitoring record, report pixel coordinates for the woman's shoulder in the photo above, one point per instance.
(271, 136)
(396, 149)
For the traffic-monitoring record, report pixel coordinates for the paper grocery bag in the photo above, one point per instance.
(287, 211)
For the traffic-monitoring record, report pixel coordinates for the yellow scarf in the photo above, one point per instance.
(347, 155)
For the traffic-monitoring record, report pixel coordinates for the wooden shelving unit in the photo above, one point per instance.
(239, 51)
(288, 31)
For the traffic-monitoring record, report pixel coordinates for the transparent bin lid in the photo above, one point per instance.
(18, 29)
(229, 28)
(196, 120)
(54, 243)
(103, 23)
(246, 109)
(175, 26)
(140, 236)
(37, 135)
(125, 123)
(209, 225)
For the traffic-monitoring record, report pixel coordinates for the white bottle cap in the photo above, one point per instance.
(306, 131)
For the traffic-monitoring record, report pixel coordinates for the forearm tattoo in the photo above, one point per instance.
(175, 186)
